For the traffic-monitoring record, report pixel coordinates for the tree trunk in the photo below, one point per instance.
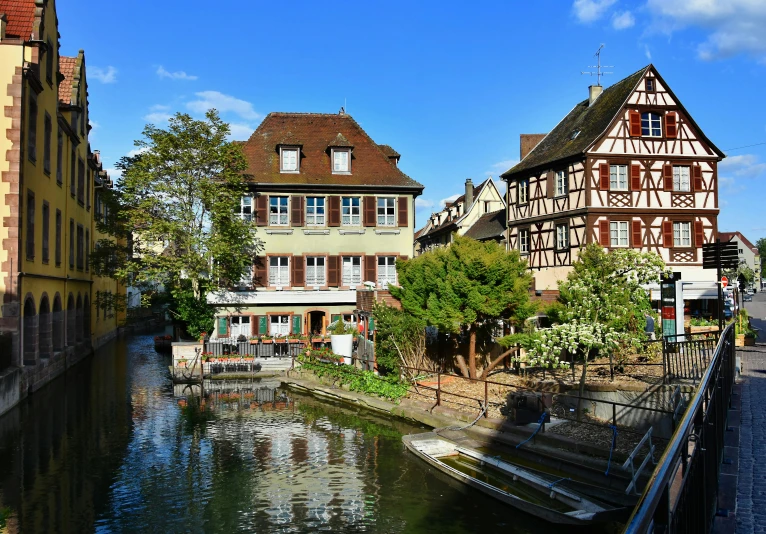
(581, 391)
(472, 353)
(496, 361)
(463, 367)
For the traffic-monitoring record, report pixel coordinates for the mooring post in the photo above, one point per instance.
(486, 399)
(438, 388)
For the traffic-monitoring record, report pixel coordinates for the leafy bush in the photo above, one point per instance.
(407, 330)
(366, 382)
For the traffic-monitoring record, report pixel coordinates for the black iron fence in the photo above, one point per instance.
(275, 349)
(682, 492)
(686, 357)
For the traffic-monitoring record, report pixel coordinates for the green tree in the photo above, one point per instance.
(465, 287)
(761, 246)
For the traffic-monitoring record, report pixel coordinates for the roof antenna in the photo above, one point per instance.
(598, 67)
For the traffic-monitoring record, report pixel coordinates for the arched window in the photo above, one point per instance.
(79, 319)
(71, 318)
(45, 329)
(30, 332)
(57, 325)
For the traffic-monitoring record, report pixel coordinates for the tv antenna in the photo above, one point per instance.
(598, 66)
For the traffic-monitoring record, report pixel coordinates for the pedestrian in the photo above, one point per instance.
(650, 327)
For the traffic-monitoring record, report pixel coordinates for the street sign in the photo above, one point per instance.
(727, 253)
(724, 281)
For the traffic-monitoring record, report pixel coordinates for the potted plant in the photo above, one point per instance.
(254, 340)
(280, 339)
(266, 339)
(342, 339)
(182, 363)
(749, 338)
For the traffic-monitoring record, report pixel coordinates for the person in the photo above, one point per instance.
(650, 327)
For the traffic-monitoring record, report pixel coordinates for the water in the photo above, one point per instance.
(113, 447)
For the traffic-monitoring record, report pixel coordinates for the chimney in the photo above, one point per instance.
(3, 24)
(594, 91)
(528, 142)
(468, 195)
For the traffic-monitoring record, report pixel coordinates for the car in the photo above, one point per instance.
(727, 312)
(749, 291)
(748, 297)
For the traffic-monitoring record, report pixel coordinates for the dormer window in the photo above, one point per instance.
(289, 158)
(650, 87)
(341, 161)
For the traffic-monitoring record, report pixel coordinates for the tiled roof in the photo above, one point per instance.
(21, 18)
(728, 236)
(66, 66)
(340, 141)
(314, 132)
(489, 226)
(389, 151)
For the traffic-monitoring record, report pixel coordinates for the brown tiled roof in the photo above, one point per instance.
(449, 223)
(340, 141)
(314, 132)
(728, 236)
(389, 151)
(66, 67)
(489, 226)
(21, 18)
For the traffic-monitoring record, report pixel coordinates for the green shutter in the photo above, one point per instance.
(334, 317)
(372, 324)
(222, 326)
(297, 324)
(263, 325)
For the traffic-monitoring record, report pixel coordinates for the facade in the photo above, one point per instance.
(627, 168)
(748, 253)
(49, 186)
(460, 215)
(334, 213)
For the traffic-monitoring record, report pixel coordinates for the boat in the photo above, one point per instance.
(543, 496)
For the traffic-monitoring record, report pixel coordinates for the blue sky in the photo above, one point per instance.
(450, 85)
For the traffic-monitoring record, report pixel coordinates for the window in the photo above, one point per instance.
(386, 271)
(523, 191)
(279, 271)
(240, 326)
(315, 271)
(58, 238)
(740, 251)
(32, 137)
(289, 160)
(524, 241)
(650, 85)
(681, 178)
(350, 211)
(46, 231)
(247, 277)
(562, 236)
(72, 173)
(279, 325)
(87, 189)
(340, 161)
(618, 234)
(315, 211)
(59, 157)
(278, 211)
(71, 243)
(47, 145)
(80, 246)
(49, 62)
(352, 271)
(618, 177)
(30, 225)
(682, 234)
(561, 183)
(80, 181)
(651, 125)
(87, 250)
(386, 211)
(246, 208)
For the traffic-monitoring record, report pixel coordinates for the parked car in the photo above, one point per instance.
(728, 312)
(748, 297)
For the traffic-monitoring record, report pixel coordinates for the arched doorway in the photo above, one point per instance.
(86, 321)
(45, 329)
(71, 317)
(30, 332)
(316, 322)
(79, 319)
(57, 325)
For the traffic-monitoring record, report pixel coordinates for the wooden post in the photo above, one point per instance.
(438, 388)
(486, 399)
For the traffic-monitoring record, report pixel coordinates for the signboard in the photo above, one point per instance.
(727, 252)
(724, 281)
(672, 306)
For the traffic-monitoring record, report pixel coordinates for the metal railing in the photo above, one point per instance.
(682, 492)
(687, 357)
(231, 347)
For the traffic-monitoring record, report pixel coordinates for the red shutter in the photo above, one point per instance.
(370, 269)
(667, 177)
(333, 211)
(635, 177)
(667, 234)
(296, 210)
(635, 123)
(403, 211)
(549, 183)
(636, 237)
(333, 278)
(299, 277)
(262, 210)
(255, 320)
(603, 177)
(261, 272)
(699, 234)
(369, 211)
(697, 175)
(671, 125)
(603, 233)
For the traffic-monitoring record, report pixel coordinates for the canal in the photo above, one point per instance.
(112, 447)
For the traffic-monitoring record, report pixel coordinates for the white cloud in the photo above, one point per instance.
(104, 76)
(178, 75)
(137, 151)
(423, 203)
(496, 169)
(647, 52)
(622, 21)
(114, 173)
(223, 103)
(157, 117)
(744, 165)
(240, 132)
(590, 10)
(159, 107)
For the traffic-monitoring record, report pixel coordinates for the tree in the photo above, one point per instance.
(465, 286)
(761, 246)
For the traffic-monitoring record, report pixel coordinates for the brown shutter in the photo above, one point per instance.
(261, 210)
(333, 278)
(667, 177)
(296, 208)
(255, 320)
(299, 277)
(603, 177)
(370, 266)
(635, 123)
(369, 211)
(549, 183)
(671, 125)
(603, 233)
(636, 237)
(261, 272)
(403, 211)
(697, 175)
(333, 211)
(699, 234)
(667, 234)
(635, 177)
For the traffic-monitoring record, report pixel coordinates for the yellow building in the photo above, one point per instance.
(49, 180)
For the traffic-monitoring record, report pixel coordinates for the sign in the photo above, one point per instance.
(222, 326)
(727, 253)
(724, 281)
(672, 307)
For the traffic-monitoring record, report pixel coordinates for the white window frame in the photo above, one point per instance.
(279, 271)
(350, 214)
(682, 234)
(523, 192)
(524, 240)
(246, 203)
(560, 181)
(618, 177)
(682, 178)
(287, 166)
(562, 236)
(279, 211)
(316, 271)
(279, 325)
(619, 234)
(313, 207)
(386, 271)
(651, 123)
(239, 326)
(386, 211)
(351, 271)
(337, 166)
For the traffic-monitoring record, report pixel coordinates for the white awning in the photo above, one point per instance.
(260, 298)
(692, 291)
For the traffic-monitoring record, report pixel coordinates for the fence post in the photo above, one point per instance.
(486, 400)
(664, 362)
(438, 387)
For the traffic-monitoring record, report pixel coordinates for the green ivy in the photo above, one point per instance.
(367, 382)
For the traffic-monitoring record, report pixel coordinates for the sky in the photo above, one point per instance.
(450, 85)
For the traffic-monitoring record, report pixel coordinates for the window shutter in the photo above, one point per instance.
(254, 325)
(296, 325)
(699, 234)
(299, 278)
(635, 123)
(667, 234)
(403, 211)
(370, 269)
(296, 209)
(333, 211)
(636, 237)
(603, 175)
(223, 326)
(263, 324)
(261, 272)
(635, 177)
(369, 211)
(332, 271)
(603, 233)
(671, 125)
(549, 182)
(697, 175)
(667, 177)
(261, 210)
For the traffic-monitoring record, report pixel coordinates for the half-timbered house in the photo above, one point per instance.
(627, 167)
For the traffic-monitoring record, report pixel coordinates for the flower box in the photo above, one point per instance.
(267, 341)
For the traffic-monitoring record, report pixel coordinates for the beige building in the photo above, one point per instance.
(748, 253)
